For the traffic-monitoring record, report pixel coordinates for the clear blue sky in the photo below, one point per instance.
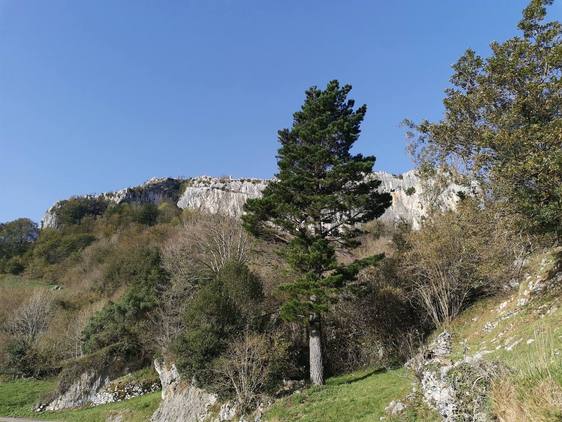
(99, 95)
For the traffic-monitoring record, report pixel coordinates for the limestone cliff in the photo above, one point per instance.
(226, 195)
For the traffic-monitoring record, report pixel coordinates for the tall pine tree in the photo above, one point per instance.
(320, 194)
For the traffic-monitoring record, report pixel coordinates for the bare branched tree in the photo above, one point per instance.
(246, 367)
(32, 318)
(194, 255)
(74, 329)
(457, 256)
(204, 245)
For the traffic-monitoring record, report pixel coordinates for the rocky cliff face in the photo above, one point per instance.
(227, 195)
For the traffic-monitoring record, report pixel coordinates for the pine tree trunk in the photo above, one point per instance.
(315, 352)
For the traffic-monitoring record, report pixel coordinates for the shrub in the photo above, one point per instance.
(124, 321)
(219, 310)
(145, 214)
(54, 246)
(14, 265)
(252, 365)
(410, 191)
(73, 211)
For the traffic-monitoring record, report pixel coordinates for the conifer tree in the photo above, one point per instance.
(321, 194)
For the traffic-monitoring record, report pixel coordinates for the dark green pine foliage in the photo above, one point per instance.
(320, 194)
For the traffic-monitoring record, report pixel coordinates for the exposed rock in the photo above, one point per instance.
(395, 407)
(220, 195)
(80, 393)
(168, 374)
(118, 391)
(227, 412)
(93, 389)
(227, 196)
(457, 390)
(181, 401)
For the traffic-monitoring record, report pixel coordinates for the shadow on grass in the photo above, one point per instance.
(358, 377)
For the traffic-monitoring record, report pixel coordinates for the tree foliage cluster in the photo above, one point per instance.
(16, 238)
(503, 122)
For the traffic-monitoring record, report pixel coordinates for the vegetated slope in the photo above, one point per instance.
(17, 399)
(520, 330)
(359, 396)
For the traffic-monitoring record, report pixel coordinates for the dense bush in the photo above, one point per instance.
(16, 238)
(220, 310)
(119, 216)
(55, 246)
(369, 325)
(124, 321)
(73, 211)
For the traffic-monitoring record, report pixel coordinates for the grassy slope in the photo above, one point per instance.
(360, 396)
(525, 339)
(18, 397)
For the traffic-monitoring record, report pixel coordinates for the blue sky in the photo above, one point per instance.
(99, 95)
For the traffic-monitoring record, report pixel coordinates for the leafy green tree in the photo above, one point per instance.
(503, 122)
(320, 194)
(16, 237)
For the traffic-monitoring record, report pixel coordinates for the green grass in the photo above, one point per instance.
(18, 397)
(139, 409)
(359, 396)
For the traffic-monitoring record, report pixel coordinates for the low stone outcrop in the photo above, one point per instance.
(456, 390)
(80, 393)
(181, 401)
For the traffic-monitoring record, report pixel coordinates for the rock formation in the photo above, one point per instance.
(225, 195)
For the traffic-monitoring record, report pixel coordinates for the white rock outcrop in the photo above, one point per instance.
(181, 401)
(220, 195)
(81, 392)
(225, 195)
(458, 390)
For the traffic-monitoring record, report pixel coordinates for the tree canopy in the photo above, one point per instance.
(322, 192)
(503, 121)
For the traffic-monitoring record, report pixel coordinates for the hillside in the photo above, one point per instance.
(519, 329)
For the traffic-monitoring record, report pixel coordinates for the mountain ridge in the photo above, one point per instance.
(227, 195)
